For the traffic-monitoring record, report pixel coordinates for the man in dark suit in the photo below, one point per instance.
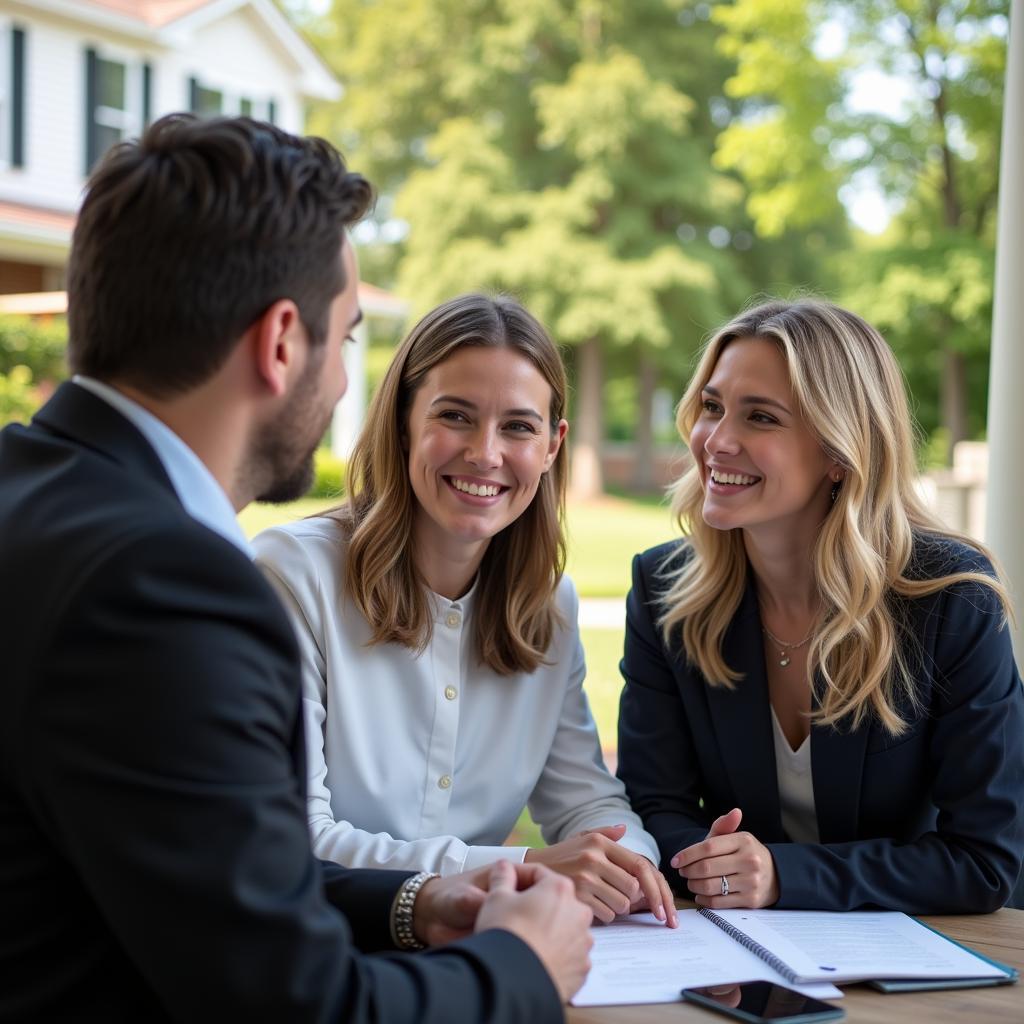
(154, 858)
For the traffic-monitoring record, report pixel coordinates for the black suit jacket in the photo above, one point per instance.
(154, 856)
(927, 822)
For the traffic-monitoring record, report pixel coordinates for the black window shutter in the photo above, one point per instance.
(18, 97)
(147, 94)
(193, 95)
(272, 112)
(91, 142)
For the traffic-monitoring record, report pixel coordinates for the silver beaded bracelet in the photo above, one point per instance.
(401, 911)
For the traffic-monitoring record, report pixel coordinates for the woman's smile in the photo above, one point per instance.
(726, 481)
(476, 491)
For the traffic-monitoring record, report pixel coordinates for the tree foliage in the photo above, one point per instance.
(557, 149)
(550, 147)
(933, 149)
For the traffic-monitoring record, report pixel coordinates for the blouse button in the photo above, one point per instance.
(453, 619)
(445, 781)
(450, 692)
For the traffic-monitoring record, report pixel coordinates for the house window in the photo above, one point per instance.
(212, 99)
(116, 94)
(204, 101)
(111, 115)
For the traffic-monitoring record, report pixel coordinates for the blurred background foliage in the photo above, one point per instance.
(31, 364)
(638, 170)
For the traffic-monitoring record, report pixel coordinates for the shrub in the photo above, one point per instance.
(19, 398)
(329, 481)
(33, 344)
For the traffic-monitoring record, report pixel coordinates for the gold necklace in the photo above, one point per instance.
(785, 648)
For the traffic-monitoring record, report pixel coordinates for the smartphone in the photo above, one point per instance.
(756, 1001)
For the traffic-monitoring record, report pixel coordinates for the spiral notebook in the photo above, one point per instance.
(889, 949)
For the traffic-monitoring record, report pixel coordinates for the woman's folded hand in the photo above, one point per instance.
(609, 878)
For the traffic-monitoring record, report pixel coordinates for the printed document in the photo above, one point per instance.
(638, 960)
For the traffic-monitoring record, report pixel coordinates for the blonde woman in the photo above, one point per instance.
(821, 706)
(443, 667)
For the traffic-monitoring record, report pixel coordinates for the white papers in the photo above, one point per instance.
(857, 945)
(638, 960)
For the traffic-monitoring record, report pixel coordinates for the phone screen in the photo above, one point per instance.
(763, 1001)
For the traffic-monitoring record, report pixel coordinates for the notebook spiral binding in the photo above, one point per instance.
(747, 942)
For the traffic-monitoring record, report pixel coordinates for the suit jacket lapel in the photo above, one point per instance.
(78, 415)
(741, 719)
(837, 767)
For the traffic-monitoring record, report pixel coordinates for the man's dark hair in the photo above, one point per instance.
(187, 235)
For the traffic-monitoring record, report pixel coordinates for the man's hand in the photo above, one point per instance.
(744, 861)
(446, 908)
(541, 908)
(609, 878)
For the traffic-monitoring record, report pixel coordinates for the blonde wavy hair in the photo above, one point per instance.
(515, 616)
(850, 391)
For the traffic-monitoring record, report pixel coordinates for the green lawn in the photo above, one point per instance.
(603, 684)
(603, 536)
(255, 517)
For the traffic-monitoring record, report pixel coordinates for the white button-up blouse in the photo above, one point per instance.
(425, 761)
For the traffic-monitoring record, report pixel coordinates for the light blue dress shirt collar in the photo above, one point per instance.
(197, 489)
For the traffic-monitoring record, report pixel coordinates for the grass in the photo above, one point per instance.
(603, 536)
(256, 518)
(604, 684)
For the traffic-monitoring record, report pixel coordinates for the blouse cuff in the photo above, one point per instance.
(640, 842)
(479, 856)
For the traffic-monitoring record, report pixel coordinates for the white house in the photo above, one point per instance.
(79, 75)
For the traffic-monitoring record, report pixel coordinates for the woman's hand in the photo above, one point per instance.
(610, 879)
(744, 862)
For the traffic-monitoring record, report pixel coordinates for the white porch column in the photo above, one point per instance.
(1005, 525)
(350, 412)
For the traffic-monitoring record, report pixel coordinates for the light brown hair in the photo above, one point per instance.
(515, 614)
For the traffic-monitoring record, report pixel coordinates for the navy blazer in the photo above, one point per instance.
(155, 861)
(927, 822)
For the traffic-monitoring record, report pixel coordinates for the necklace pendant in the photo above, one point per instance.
(784, 660)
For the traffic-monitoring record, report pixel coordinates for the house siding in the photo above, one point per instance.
(237, 56)
(236, 53)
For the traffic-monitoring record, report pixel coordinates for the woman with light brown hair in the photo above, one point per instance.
(443, 669)
(818, 657)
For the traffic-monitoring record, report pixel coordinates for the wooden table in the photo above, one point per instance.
(999, 935)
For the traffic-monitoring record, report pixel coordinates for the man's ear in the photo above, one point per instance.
(278, 344)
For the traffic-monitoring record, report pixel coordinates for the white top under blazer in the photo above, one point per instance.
(425, 761)
(796, 787)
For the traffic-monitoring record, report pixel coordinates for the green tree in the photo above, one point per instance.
(560, 150)
(799, 140)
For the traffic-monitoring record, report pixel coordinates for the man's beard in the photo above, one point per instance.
(283, 451)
